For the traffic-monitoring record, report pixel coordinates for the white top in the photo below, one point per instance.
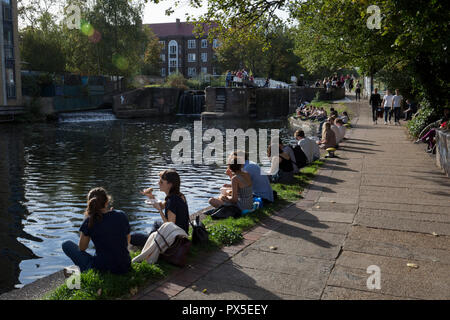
(340, 133)
(310, 148)
(397, 100)
(388, 101)
(336, 132)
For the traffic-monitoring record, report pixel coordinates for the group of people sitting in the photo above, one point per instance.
(109, 229)
(333, 130)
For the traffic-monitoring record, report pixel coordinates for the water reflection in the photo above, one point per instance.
(47, 170)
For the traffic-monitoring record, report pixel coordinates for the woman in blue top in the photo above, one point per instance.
(109, 230)
(175, 205)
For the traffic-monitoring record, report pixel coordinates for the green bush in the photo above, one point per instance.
(176, 80)
(425, 116)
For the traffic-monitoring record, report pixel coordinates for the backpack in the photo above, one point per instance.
(300, 157)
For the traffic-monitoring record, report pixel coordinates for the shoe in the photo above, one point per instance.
(385, 123)
(417, 141)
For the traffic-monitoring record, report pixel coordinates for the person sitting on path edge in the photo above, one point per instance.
(241, 188)
(309, 147)
(110, 232)
(260, 182)
(175, 205)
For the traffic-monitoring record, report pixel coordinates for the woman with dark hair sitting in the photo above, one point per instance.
(174, 205)
(110, 232)
(241, 188)
(281, 169)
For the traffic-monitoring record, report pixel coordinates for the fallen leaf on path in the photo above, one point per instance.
(204, 290)
(317, 207)
(435, 234)
(412, 265)
(273, 248)
(333, 201)
(194, 287)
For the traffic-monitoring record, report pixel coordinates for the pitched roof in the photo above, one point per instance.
(175, 29)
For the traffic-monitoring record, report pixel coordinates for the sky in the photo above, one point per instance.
(155, 13)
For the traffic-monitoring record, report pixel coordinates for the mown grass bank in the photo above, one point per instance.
(106, 286)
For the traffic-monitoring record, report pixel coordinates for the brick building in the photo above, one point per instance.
(10, 85)
(182, 51)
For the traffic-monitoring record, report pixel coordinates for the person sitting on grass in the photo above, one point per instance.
(109, 230)
(174, 205)
(281, 170)
(260, 182)
(241, 194)
(344, 117)
(340, 130)
(309, 147)
(328, 137)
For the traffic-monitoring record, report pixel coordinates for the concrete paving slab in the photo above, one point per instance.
(323, 216)
(429, 281)
(340, 293)
(317, 269)
(303, 243)
(224, 291)
(403, 207)
(272, 282)
(335, 207)
(392, 223)
(419, 216)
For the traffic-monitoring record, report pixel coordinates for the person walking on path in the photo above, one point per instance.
(396, 106)
(387, 104)
(375, 102)
(358, 91)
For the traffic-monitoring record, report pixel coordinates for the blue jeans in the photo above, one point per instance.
(387, 110)
(81, 258)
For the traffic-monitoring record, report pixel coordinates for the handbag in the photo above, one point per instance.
(199, 233)
(224, 212)
(177, 253)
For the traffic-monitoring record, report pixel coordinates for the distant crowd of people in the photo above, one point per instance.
(238, 78)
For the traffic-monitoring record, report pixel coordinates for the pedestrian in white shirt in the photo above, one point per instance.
(396, 106)
(309, 147)
(387, 104)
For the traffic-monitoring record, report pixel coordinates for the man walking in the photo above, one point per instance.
(396, 105)
(387, 104)
(375, 102)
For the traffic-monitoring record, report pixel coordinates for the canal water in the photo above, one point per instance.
(47, 169)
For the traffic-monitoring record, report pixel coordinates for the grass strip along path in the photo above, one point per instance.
(107, 286)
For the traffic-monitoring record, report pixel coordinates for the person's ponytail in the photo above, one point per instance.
(97, 199)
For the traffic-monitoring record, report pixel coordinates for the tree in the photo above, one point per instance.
(42, 47)
(268, 54)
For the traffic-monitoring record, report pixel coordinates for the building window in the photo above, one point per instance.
(163, 72)
(162, 44)
(172, 63)
(204, 43)
(191, 44)
(173, 46)
(191, 57)
(215, 43)
(162, 57)
(192, 72)
(214, 71)
(204, 57)
(204, 70)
